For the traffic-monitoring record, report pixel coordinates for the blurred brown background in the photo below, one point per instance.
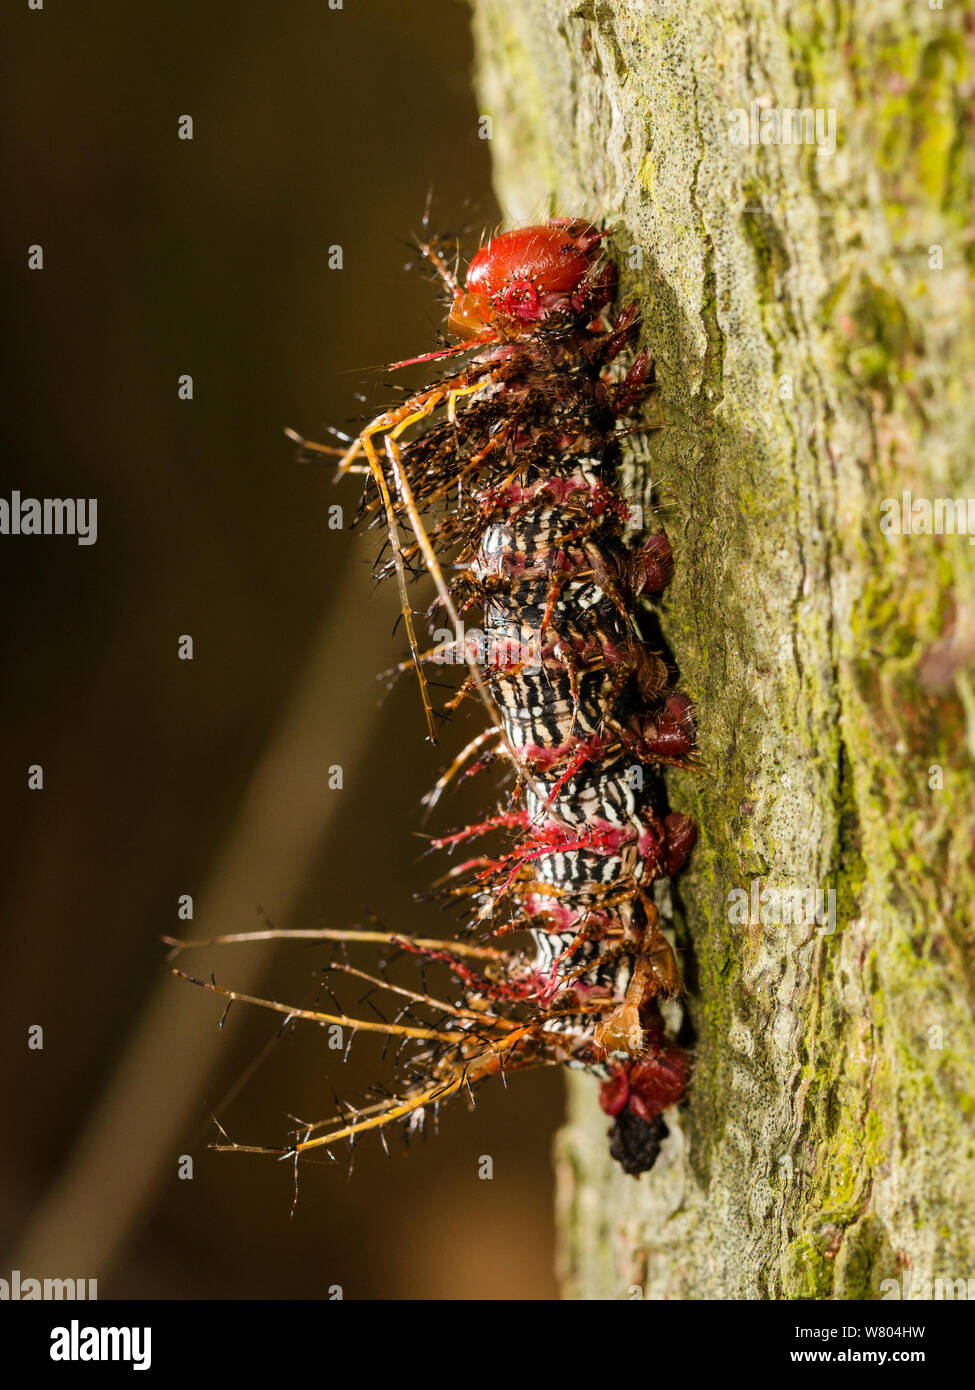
(312, 127)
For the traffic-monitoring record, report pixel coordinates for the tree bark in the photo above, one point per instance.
(810, 314)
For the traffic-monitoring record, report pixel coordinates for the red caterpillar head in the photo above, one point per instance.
(523, 277)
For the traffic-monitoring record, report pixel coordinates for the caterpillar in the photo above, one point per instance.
(500, 481)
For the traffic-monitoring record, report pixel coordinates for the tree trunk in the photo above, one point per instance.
(810, 313)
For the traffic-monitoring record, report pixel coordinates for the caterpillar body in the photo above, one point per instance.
(500, 480)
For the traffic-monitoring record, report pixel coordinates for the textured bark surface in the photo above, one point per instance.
(814, 359)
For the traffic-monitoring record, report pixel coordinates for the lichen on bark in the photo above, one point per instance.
(811, 318)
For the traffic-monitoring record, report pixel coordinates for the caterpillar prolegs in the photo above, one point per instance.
(500, 480)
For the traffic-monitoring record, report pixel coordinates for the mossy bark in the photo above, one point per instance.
(811, 317)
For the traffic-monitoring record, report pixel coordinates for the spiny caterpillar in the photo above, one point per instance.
(500, 480)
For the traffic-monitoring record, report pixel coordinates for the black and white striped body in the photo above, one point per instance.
(540, 711)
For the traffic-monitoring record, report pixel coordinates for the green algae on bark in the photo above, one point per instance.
(812, 322)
